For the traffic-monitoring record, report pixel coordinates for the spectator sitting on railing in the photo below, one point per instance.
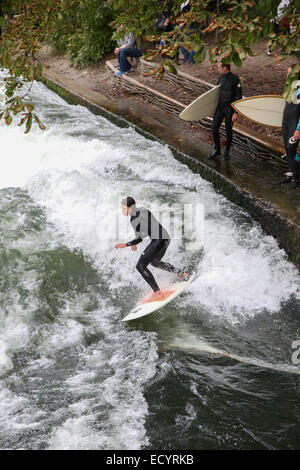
(127, 48)
(279, 22)
(188, 55)
(164, 23)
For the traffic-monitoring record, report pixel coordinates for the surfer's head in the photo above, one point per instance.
(127, 204)
(223, 68)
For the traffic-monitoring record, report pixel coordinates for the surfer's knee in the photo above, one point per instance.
(215, 126)
(140, 266)
(155, 263)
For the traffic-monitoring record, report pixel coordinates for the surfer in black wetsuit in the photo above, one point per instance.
(291, 116)
(230, 90)
(145, 225)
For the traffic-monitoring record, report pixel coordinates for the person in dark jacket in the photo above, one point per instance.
(230, 90)
(163, 23)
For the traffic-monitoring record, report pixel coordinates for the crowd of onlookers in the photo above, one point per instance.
(230, 90)
(127, 47)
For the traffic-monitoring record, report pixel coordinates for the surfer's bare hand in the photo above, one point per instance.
(133, 247)
(296, 135)
(120, 245)
(234, 117)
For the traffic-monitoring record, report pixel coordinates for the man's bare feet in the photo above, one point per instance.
(156, 295)
(183, 276)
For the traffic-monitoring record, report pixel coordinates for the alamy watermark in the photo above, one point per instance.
(296, 353)
(182, 221)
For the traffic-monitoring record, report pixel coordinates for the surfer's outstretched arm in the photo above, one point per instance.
(136, 241)
(124, 245)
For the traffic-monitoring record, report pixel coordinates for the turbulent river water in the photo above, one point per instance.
(72, 374)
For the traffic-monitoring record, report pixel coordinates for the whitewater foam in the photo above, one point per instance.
(74, 173)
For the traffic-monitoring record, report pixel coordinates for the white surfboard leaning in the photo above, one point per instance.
(145, 307)
(205, 105)
(266, 110)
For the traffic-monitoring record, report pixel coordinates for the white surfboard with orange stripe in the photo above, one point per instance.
(148, 305)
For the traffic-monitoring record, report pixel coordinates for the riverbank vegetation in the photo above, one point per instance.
(85, 30)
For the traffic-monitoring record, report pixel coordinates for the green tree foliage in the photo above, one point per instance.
(24, 26)
(240, 24)
(81, 27)
(82, 24)
(84, 32)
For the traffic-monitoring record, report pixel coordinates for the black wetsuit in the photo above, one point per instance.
(291, 115)
(230, 90)
(145, 225)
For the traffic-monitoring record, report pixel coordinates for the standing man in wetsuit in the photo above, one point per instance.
(230, 90)
(293, 156)
(291, 116)
(146, 225)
